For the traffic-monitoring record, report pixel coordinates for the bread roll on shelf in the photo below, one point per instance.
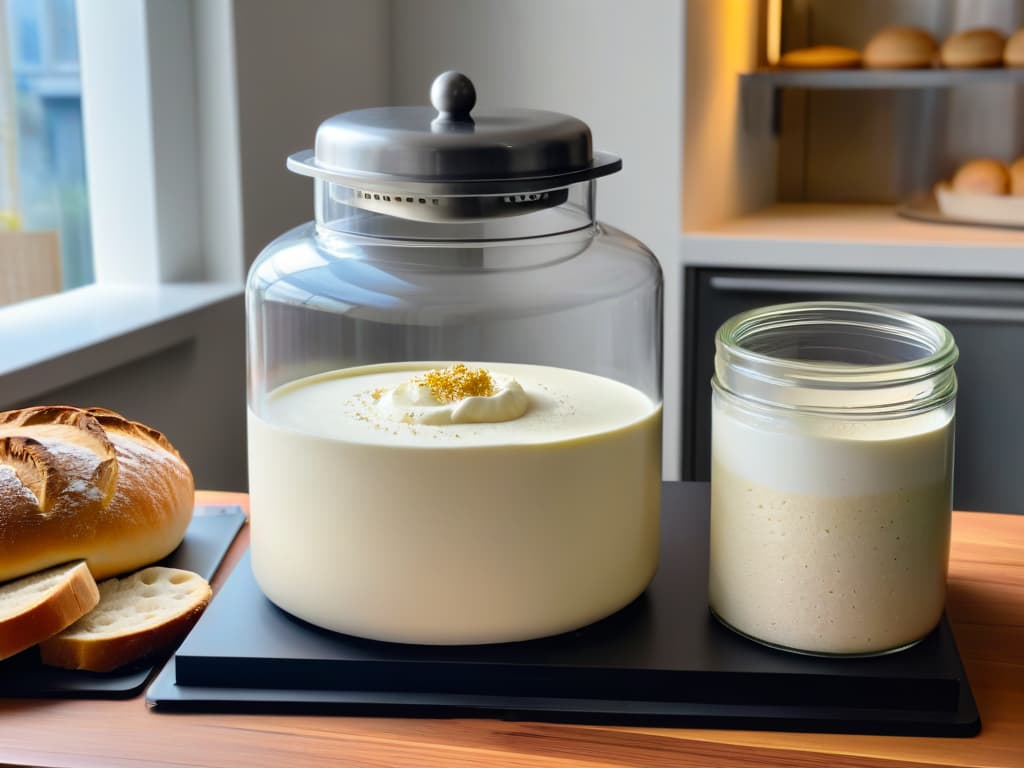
(900, 48)
(821, 57)
(87, 484)
(973, 48)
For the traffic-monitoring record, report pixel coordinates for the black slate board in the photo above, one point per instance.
(206, 541)
(663, 660)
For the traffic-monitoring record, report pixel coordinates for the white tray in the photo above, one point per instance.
(1002, 210)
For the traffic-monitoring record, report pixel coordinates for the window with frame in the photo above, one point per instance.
(45, 241)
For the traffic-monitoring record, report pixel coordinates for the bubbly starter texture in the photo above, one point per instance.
(830, 537)
(405, 503)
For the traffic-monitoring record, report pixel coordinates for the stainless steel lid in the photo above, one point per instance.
(451, 150)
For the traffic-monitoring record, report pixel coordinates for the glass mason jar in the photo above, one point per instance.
(831, 479)
(454, 383)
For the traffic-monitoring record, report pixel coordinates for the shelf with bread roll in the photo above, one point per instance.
(849, 79)
(895, 58)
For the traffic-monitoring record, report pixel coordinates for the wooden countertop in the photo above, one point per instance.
(986, 606)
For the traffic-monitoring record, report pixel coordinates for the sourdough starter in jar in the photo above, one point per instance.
(829, 536)
(831, 478)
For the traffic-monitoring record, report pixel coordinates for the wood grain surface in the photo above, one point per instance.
(986, 606)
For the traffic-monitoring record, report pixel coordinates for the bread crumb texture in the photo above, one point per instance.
(141, 601)
(17, 595)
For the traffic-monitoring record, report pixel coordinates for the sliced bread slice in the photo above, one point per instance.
(41, 604)
(139, 615)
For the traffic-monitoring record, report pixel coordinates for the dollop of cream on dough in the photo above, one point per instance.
(416, 402)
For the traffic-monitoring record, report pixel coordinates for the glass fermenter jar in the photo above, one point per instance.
(454, 382)
(831, 479)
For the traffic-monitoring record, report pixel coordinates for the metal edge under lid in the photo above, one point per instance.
(305, 164)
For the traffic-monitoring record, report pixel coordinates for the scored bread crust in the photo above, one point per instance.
(50, 611)
(78, 647)
(87, 483)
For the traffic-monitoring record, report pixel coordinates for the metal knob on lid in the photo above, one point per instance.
(452, 148)
(453, 96)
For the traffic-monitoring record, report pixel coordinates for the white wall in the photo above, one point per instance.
(299, 63)
(616, 65)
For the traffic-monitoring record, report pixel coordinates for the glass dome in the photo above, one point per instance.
(454, 382)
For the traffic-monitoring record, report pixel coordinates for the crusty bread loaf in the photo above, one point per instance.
(137, 616)
(87, 484)
(1013, 53)
(1017, 177)
(973, 48)
(821, 57)
(900, 48)
(36, 607)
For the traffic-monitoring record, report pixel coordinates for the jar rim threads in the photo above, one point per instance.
(797, 356)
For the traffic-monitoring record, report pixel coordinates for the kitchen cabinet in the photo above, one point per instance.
(986, 316)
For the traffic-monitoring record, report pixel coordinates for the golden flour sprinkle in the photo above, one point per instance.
(458, 382)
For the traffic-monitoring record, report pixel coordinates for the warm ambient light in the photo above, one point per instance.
(774, 46)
